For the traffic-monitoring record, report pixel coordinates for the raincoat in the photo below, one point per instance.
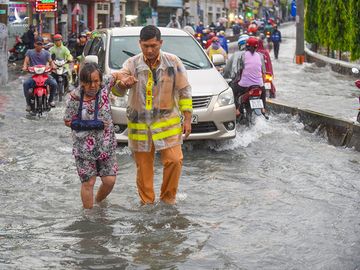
(267, 58)
(156, 102)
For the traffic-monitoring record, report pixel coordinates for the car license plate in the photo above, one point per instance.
(256, 103)
(194, 119)
(267, 85)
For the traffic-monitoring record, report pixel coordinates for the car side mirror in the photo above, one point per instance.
(218, 59)
(91, 59)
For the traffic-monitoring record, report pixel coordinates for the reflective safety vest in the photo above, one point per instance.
(156, 102)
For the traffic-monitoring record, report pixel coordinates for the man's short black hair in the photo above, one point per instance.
(149, 32)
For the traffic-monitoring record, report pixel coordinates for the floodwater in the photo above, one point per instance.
(275, 197)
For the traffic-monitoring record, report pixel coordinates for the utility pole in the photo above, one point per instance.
(300, 51)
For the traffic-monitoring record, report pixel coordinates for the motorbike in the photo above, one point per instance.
(357, 83)
(18, 51)
(60, 73)
(75, 72)
(251, 105)
(39, 94)
(269, 85)
(199, 38)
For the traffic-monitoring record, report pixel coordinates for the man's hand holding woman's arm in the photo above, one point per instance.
(123, 80)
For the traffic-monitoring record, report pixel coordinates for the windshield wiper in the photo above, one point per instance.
(128, 53)
(190, 64)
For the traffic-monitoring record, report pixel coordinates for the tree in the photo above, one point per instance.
(311, 23)
(323, 23)
(338, 23)
(354, 30)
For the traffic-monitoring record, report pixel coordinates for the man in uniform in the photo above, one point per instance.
(159, 94)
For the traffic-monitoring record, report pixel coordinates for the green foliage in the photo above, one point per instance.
(354, 29)
(334, 24)
(323, 22)
(337, 25)
(311, 21)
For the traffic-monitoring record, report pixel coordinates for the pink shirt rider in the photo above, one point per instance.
(253, 68)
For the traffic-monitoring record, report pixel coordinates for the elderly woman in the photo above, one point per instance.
(88, 114)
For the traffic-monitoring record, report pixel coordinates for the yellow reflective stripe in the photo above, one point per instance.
(149, 86)
(138, 137)
(185, 102)
(138, 126)
(166, 123)
(167, 133)
(183, 108)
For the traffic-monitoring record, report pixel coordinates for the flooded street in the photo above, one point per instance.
(275, 197)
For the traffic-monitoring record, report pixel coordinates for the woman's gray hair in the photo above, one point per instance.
(87, 70)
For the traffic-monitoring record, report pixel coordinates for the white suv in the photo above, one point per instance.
(213, 100)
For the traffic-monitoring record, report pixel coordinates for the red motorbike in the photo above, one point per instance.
(251, 105)
(269, 85)
(39, 95)
(357, 83)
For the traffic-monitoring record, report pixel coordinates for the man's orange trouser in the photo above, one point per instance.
(171, 159)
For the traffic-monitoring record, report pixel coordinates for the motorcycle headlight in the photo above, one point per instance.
(225, 98)
(119, 101)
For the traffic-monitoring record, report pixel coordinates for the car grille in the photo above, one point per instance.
(203, 127)
(201, 102)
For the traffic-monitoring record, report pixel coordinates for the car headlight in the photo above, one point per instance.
(225, 98)
(119, 101)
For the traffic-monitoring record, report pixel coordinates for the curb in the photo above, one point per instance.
(338, 132)
(339, 66)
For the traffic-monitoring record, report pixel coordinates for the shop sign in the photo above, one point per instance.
(46, 5)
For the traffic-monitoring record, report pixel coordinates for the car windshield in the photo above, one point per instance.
(186, 48)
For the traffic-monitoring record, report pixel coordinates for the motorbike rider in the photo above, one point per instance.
(252, 70)
(267, 59)
(215, 48)
(174, 23)
(79, 48)
(61, 52)
(223, 41)
(38, 56)
(28, 38)
(233, 64)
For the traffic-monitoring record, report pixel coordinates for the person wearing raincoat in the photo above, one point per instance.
(159, 95)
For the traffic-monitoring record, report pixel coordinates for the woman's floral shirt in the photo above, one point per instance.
(92, 144)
